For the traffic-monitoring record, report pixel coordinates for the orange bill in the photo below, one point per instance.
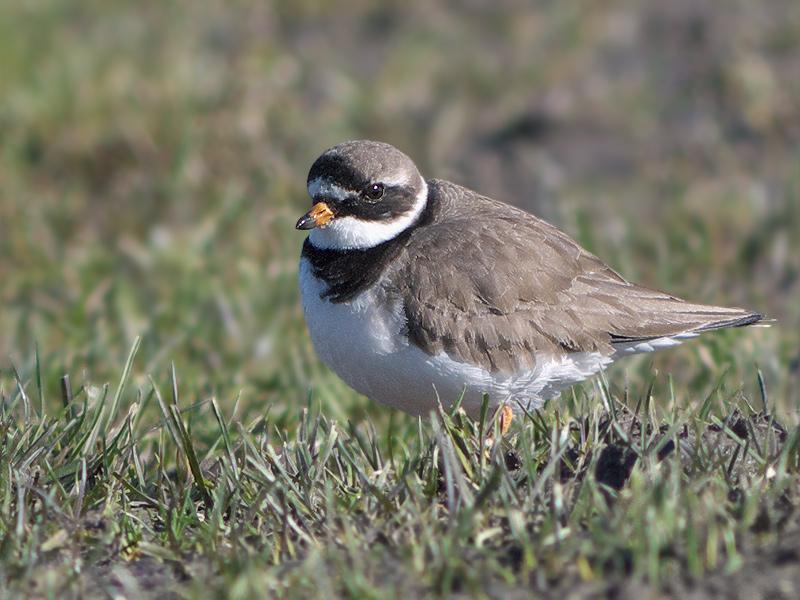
(319, 216)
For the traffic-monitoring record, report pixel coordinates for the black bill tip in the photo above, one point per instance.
(306, 222)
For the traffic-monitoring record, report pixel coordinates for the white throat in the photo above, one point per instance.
(350, 233)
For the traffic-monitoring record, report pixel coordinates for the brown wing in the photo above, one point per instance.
(492, 285)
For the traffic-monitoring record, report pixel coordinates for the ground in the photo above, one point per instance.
(166, 428)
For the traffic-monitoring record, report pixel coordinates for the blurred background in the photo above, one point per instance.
(154, 156)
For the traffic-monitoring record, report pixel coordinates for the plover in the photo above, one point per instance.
(417, 292)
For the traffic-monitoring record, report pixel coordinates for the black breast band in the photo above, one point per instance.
(350, 272)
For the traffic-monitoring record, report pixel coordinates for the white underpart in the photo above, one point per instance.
(363, 343)
(627, 348)
(350, 233)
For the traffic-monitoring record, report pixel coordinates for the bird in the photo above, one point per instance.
(423, 293)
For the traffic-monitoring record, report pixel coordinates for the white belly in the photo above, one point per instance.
(362, 342)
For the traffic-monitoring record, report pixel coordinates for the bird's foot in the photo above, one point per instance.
(506, 416)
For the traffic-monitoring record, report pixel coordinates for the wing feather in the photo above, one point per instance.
(519, 287)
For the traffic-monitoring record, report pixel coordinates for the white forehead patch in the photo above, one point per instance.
(324, 187)
(350, 233)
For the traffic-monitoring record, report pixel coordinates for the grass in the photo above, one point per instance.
(584, 495)
(166, 427)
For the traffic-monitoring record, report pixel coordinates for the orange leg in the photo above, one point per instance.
(506, 416)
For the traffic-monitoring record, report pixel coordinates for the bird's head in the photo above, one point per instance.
(364, 193)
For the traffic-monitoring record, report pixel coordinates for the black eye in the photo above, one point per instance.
(374, 191)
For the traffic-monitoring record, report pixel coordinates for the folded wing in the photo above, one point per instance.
(525, 289)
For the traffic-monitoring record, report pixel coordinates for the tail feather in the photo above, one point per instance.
(746, 319)
(711, 318)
